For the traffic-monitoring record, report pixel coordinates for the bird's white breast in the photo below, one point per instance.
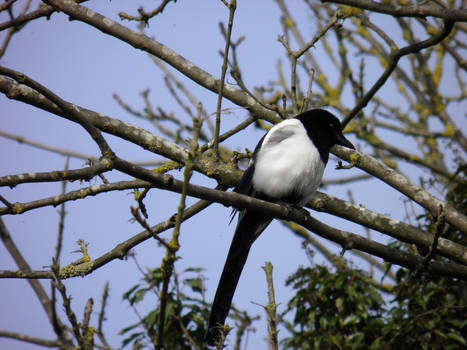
(291, 165)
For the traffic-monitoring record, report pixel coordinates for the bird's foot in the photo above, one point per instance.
(290, 207)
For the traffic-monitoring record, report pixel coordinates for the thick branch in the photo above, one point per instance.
(126, 131)
(402, 184)
(143, 42)
(387, 225)
(406, 10)
(42, 11)
(346, 239)
(119, 251)
(19, 208)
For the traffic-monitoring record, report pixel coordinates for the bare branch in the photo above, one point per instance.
(63, 152)
(57, 175)
(414, 10)
(35, 285)
(157, 49)
(33, 340)
(392, 64)
(346, 239)
(271, 308)
(72, 112)
(232, 6)
(387, 225)
(402, 184)
(145, 16)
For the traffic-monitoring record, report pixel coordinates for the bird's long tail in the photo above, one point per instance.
(250, 226)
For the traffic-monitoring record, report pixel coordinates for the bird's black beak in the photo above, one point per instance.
(341, 140)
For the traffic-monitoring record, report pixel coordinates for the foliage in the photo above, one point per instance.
(185, 314)
(333, 309)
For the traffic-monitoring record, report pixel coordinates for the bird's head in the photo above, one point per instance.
(324, 130)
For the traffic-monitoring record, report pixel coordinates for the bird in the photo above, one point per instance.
(286, 167)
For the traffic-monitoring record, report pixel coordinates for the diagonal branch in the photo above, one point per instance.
(33, 340)
(392, 64)
(402, 184)
(35, 285)
(71, 111)
(143, 42)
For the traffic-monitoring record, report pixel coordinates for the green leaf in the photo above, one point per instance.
(132, 337)
(138, 296)
(351, 319)
(129, 328)
(194, 269)
(151, 318)
(457, 338)
(127, 294)
(340, 304)
(196, 284)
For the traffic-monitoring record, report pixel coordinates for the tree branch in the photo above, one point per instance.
(402, 184)
(232, 6)
(57, 175)
(71, 111)
(33, 340)
(35, 285)
(387, 225)
(153, 143)
(143, 42)
(392, 64)
(415, 10)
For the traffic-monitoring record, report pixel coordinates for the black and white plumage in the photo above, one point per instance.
(287, 166)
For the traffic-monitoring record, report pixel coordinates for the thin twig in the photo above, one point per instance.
(101, 317)
(271, 308)
(232, 7)
(67, 303)
(174, 245)
(146, 226)
(35, 285)
(33, 340)
(307, 100)
(143, 15)
(61, 222)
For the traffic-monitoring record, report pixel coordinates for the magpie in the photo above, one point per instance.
(286, 167)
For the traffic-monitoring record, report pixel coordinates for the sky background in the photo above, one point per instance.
(85, 67)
